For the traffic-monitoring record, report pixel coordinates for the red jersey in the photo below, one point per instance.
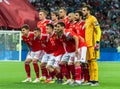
(54, 23)
(36, 44)
(27, 39)
(42, 25)
(68, 41)
(32, 42)
(60, 48)
(71, 26)
(71, 34)
(80, 30)
(65, 21)
(48, 43)
(53, 45)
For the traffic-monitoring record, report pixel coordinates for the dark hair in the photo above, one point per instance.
(88, 7)
(55, 12)
(37, 29)
(61, 24)
(79, 12)
(50, 25)
(26, 26)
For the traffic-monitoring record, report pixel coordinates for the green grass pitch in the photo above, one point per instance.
(12, 73)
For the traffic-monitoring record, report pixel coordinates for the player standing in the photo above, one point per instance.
(54, 17)
(80, 30)
(42, 25)
(71, 25)
(63, 15)
(43, 21)
(92, 38)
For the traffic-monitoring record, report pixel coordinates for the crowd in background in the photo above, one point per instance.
(106, 11)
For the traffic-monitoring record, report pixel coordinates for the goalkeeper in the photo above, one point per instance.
(92, 38)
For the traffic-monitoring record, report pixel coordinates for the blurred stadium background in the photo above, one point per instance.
(106, 11)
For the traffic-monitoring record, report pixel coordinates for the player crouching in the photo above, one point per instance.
(33, 42)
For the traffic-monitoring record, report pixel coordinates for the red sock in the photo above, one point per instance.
(65, 72)
(82, 71)
(44, 71)
(52, 74)
(48, 76)
(72, 70)
(36, 69)
(27, 69)
(87, 76)
(78, 73)
(59, 76)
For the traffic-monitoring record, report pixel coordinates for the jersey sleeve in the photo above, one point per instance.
(97, 29)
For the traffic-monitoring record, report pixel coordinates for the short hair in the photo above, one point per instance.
(63, 8)
(61, 24)
(79, 12)
(50, 25)
(44, 11)
(55, 12)
(88, 7)
(37, 29)
(71, 13)
(26, 26)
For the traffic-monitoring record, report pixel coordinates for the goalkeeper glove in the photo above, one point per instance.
(97, 46)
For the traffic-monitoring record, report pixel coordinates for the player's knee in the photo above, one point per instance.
(34, 61)
(48, 66)
(70, 63)
(28, 61)
(43, 64)
(77, 63)
(57, 69)
(63, 62)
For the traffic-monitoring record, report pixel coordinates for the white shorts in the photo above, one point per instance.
(41, 54)
(82, 54)
(46, 57)
(35, 55)
(51, 60)
(68, 57)
(57, 61)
